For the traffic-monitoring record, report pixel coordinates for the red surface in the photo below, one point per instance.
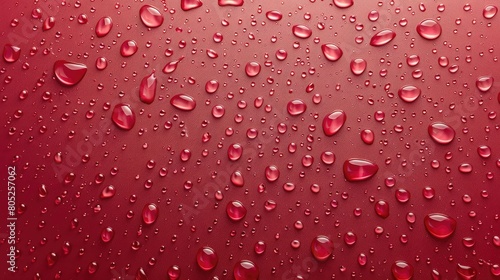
(67, 151)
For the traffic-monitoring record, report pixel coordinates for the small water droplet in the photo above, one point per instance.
(252, 69)
(187, 5)
(206, 258)
(321, 247)
(402, 270)
(484, 83)
(274, 15)
(128, 48)
(490, 11)
(235, 210)
(382, 208)
(343, 3)
(466, 272)
(358, 66)
(11, 53)
(296, 107)
(245, 270)
(230, 3)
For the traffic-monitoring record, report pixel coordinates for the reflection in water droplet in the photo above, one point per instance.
(382, 209)
(69, 73)
(301, 31)
(252, 69)
(206, 258)
(359, 169)
(441, 132)
(245, 270)
(151, 16)
(409, 93)
(429, 29)
(147, 89)
(343, 3)
(402, 270)
(187, 5)
(274, 15)
(333, 122)
(296, 107)
(490, 11)
(123, 116)
(128, 48)
(183, 102)
(230, 2)
(235, 210)
(11, 53)
(484, 83)
(103, 26)
(321, 247)
(150, 213)
(440, 225)
(382, 37)
(332, 52)
(358, 66)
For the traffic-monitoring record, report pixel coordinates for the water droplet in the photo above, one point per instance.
(171, 66)
(245, 270)
(382, 208)
(429, 29)
(359, 169)
(183, 102)
(358, 66)
(383, 37)
(123, 116)
(101, 63)
(301, 31)
(440, 225)
(235, 210)
(151, 16)
(150, 213)
(466, 272)
(260, 247)
(409, 93)
(484, 151)
(465, 168)
(343, 3)
(128, 48)
(484, 83)
(187, 5)
(107, 234)
(11, 53)
(402, 270)
(206, 258)
(272, 173)
(108, 192)
(234, 152)
(252, 69)
(274, 15)
(441, 132)
(333, 122)
(49, 23)
(147, 89)
(211, 86)
(332, 52)
(103, 26)
(490, 11)
(174, 272)
(69, 73)
(367, 136)
(296, 107)
(321, 247)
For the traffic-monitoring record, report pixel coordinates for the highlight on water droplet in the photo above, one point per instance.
(246, 270)
(123, 116)
(441, 132)
(69, 73)
(401, 270)
(321, 247)
(331, 51)
(150, 213)
(301, 31)
(11, 53)
(128, 48)
(151, 16)
(147, 89)
(296, 107)
(382, 37)
(356, 169)
(333, 122)
(409, 93)
(183, 102)
(440, 225)
(187, 5)
(206, 258)
(103, 26)
(429, 29)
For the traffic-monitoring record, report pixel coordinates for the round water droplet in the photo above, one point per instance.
(235, 210)
(402, 270)
(409, 93)
(107, 234)
(272, 173)
(440, 225)
(11, 53)
(101, 63)
(441, 132)
(245, 270)
(123, 116)
(382, 208)
(103, 26)
(187, 5)
(466, 272)
(301, 31)
(296, 107)
(150, 213)
(252, 69)
(484, 151)
(183, 102)
(274, 15)
(332, 52)
(484, 83)
(211, 86)
(174, 272)
(382, 38)
(367, 136)
(358, 66)
(128, 48)
(234, 152)
(147, 89)
(151, 16)
(429, 29)
(206, 258)
(333, 122)
(321, 247)
(69, 73)
(490, 11)
(343, 3)
(359, 169)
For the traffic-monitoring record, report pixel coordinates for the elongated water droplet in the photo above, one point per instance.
(11, 53)
(103, 26)
(187, 5)
(147, 89)
(183, 102)
(150, 213)
(441, 132)
(332, 52)
(409, 93)
(466, 272)
(128, 48)
(402, 270)
(429, 29)
(358, 66)
(171, 66)
(151, 16)
(321, 247)
(245, 270)
(333, 122)
(206, 258)
(382, 38)
(440, 225)
(274, 15)
(359, 169)
(230, 3)
(296, 107)
(123, 116)
(343, 3)
(69, 73)
(301, 31)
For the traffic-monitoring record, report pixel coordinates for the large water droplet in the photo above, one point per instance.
(490, 11)
(69, 73)
(296, 107)
(171, 66)
(187, 5)
(333, 122)
(441, 132)
(440, 225)
(272, 173)
(402, 270)
(382, 208)
(49, 23)
(231, 3)
(234, 152)
(332, 52)
(103, 26)
(383, 37)
(367, 136)
(484, 83)
(321, 247)
(151, 16)
(11, 53)
(128, 48)
(211, 86)
(235, 210)
(301, 31)
(343, 3)
(245, 270)
(123, 116)
(147, 89)
(359, 169)
(252, 69)
(358, 66)
(466, 272)
(107, 234)
(206, 258)
(409, 93)
(150, 213)
(183, 102)
(429, 29)
(274, 15)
